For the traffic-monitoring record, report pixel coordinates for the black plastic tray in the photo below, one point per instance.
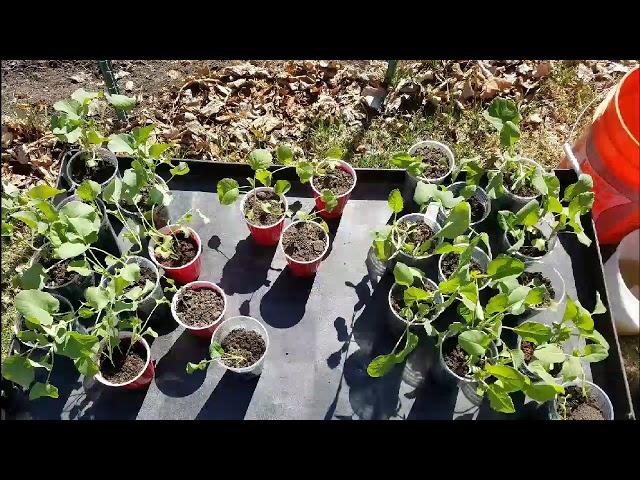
(323, 331)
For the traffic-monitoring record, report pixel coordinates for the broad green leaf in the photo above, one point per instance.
(509, 134)
(7, 229)
(571, 369)
(70, 250)
(36, 306)
(193, 367)
(181, 169)
(410, 345)
(474, 342)
(381, 365)
(549, 353)
(95, 138)
(535, 332)
(282, 187)
(121, 143)
(141, 134)
(88, 190)
(335, 153)
(43, 192)
(414, 294)
(535, 296)
(97, 297)
(499, 399)
(71, 107)
(594, 352)
(537, 367)
(33, 278)
(597, 337)
(540, 392)
(528, 215)
(502, 110)
(157, 149)
(43, 390)
(511, 379)
(304, 170)
(17, 369)
(121, 102)
(584, 184)
(215, 350)
(423, 192)
(78, 345)
(395, 202)
(259, 159)
(284, 154)
(86, 366)
(264, 177)
(113, 191)
(457, 222)
(77, 209)
(517, 357)
(228, 190)
(27, 217)
(82, 96)
(403, 274)
(504, 266)
(329, 199)
(578, 315)
(130, 272)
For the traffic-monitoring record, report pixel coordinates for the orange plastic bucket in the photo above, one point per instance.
(610, 152)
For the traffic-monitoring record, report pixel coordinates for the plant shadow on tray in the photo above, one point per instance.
(230, 399)
(171, 379)
(284, 304)
(246, 271)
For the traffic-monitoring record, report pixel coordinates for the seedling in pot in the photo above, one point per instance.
(73, 123)
(417, 239)
(178, 248)
(523, 230)
(542, 346)
(240, 348)
(49, 331)
(262, 208)
(428, 161)
(458, 257)
(583, 401)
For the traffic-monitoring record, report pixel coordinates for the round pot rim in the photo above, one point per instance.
(124, 206)
(527, 257)
(155, 269)
(306, 262)
(263, 189)
(204, 284)
(518, 197)
(447, 151)
(577, 382)
(492, 348)
(20, 319)
(79, 152)
(487, 204)
(264, 335)
(39, 254)
(171, 228)
(482, 252)
(104, 381)
(424, 219)
(350, 170)
(439, 300)
(557, 274)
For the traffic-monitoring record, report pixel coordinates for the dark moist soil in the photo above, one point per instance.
(186, 250)
(450, 265)
(435, 161)
(527, 348)
(477, 209)
(337, 180)
(145, 274)
(523, 190)
(580, 407)
(304, 241)
(260, 217)
(200, 308)
(455, 358)
(397, 299)
(528, 249)
(247, 343)
(100, 173)
(419, 235)
(59, 275)
(538, 279)
(123, 369)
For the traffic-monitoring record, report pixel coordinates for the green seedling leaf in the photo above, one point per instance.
(37, 307)
(113, 191)
(499, 399)
(457, 222)
(228, 191)
(403, 274)
(97, 297)
(43, 390)
(82, 96)
(549, 353)
(599, 308)
(510, 134)
(29, 218)
(156, 150)
(282, 187)
(500, 111)
(264, 177)
(78, 345)
(528, 215)
(535, 332)
(216, 350)
(17, 369)
(540, 392)
(511, 379)
(284, 153)
(304, 170)
(395, 202)
(70, 250)
(259, 159)
(474, 342)
(88, 190)
(121, 143)
(595, 352)
(70, 107)
(335, 153)
(584, 184)
(43, 192)
(80, 266)
(414, 294)
(86, 366)
(130, 272)
(329, 199)
(193, 367)
(181, 169)
(121, 102)
(571, 368)
(381, 365)
(33, 278)
(504, 266)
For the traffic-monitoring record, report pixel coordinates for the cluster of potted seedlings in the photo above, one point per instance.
(85, 300)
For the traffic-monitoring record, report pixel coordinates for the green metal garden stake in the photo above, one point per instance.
(112, 85)
(392, 65)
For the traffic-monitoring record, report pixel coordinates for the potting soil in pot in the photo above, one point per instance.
(436, 163)
(100, 173)
(535, 279)
(127, 362)
(528, 249)
(257, 215)
(397, 299)
(304, 241)
(528, 349)
(579, 407)
(185, 249)
(242, 348)
(524, 189)
(59, 274)
(457, 359)
(337, 180)
(199, 307)
(450, 263)
(477, 208)
(145, 274)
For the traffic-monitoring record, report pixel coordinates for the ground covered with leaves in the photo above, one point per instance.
(221, 110)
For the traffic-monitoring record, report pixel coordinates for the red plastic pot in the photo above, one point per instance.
(309, 268)
(204, 332)
(265, 236)
(342, 199)
(186, 273)
(144, 377)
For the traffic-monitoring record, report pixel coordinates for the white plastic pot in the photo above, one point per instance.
(248, 323)
(622, 276)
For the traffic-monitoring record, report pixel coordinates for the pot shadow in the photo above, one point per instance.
(284, 304)
(99, 402)
(161, 320)
(171, 377)
(247, 270)
(435, 402)
(230, 399)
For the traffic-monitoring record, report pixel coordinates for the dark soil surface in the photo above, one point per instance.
(124, 368)
(527, 348)
(456, 359)
(199, 308)
(421, 232)
(527, 249)
(100, 173)
(245, 343)
(397, 299)
(477, 209)
(186, 250)
(256, 215)
(145, 274)
(337, 180)
(450, 265)
(435, 161)
(524, 189)
(580, 407)
(59, 275)
(536, 279)
(304, 241)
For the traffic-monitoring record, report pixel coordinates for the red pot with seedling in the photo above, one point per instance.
(111, 376)
(199, 307)
(260, 205)
(184, 265)
(324, 182)
(304, 244)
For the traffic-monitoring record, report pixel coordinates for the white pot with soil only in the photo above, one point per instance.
(199, 307)
(524, 193)
(245, 343)
(77, 171)
(439, 162)
(575, 405)
(304, 244)
(130, 366)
